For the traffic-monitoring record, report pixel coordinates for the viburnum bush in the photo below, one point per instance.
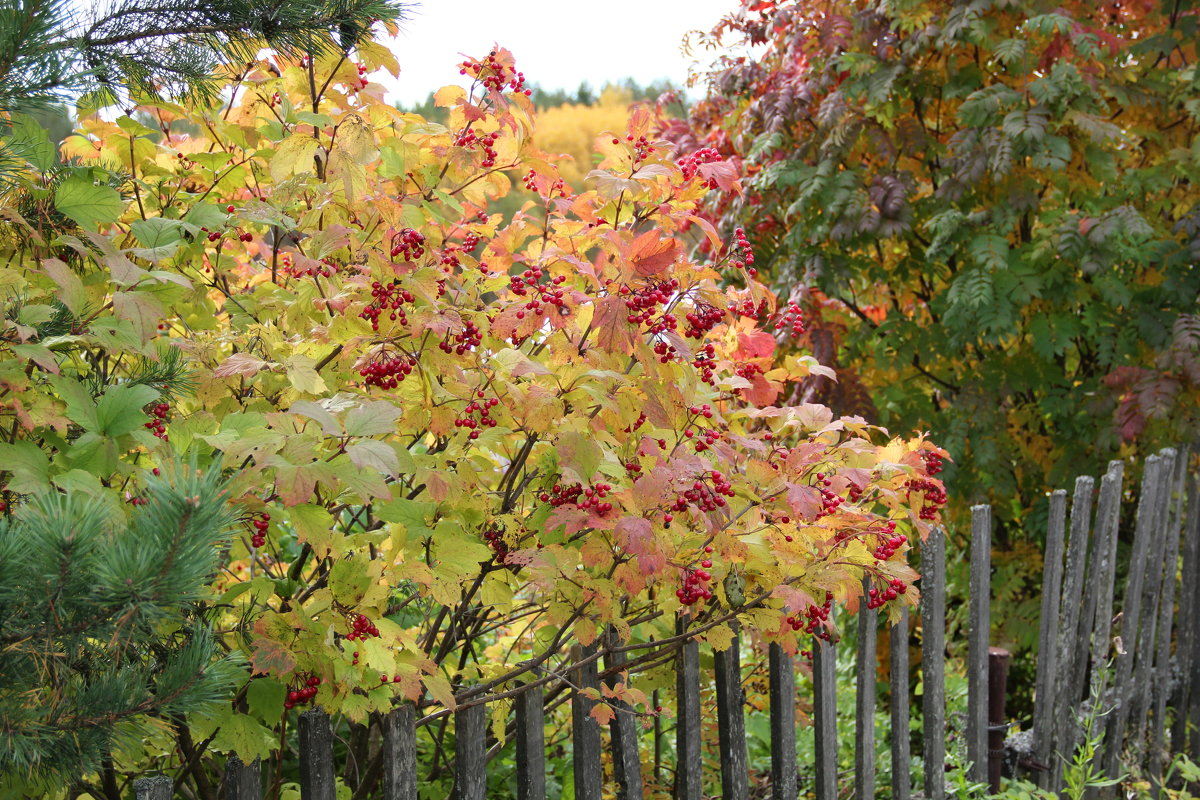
(459, 443)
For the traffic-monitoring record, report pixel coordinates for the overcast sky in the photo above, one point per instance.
(557, 44)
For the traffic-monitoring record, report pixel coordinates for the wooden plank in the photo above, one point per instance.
(1163, 668)
(1047, 657)
(1107, 523)
(1114, 730)
(242, 781)
(977, 644)
(585, 731)
(901, 750)
(825, 718)
(731, 723)
(1185, 651)
(400, 753)
(864, 701)
(687, 724)
(623, 730)
(470, 753)
(1143, 663)
(159, 787)
(531, 744)
(782, 689)
(317, 780)
(933, 662)
(1066, 699)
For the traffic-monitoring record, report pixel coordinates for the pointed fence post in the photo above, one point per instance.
(933, 662)
(731, 722)
(623, 730)
(864, 701)
(242, 781)
(687, 719)
(400, 753)
(1107, 522)
(585, 730)
(317, 781)
(470, 753)
(825, 717)
(1163, 667)
(901, 755)
(784, 777)
(977, 646)
(531, 743)
(159, 787)
(1047, 657)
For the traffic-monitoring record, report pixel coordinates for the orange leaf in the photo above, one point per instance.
(650, 254)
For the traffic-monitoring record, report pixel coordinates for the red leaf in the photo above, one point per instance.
(649, 254)
(755, 344)
(269, 657)
(805, 501)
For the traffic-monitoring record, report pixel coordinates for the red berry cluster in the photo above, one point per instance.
(889, 542)
(642, 147)
(362, 628)
(690, 164)
(748, 370)
(740, 253)
(495, 540)
(876, 598)
(544, 293)
(748, 308)
(703, 362)
(133, 499)
(641, 420)
(704, 496)
(935, 496)
(706, 439)
(387, 297)
(158, 420)
(791, 318)
(303, 695)
(481, 407)
(494, 75)
(592, 497)
(184, 161)
(531, 183)
(695, 586)
(387, 371)
(702, 319)
(830, 501)
(933, 462)
(643, 304)
(408, 245)
(325, 268)
(470, 242)
(465, 340)
(469, 139)
(260, 522)
(362, 77)
(812, 618)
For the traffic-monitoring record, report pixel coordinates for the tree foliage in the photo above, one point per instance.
(989, 209)
(456, 447)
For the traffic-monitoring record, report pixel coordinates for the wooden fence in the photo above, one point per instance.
(1133, 673)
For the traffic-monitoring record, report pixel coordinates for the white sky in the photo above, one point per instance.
(557, 45)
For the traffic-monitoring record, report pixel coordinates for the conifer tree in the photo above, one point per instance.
(102, 624)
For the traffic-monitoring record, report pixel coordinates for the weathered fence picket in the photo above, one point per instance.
(864, 705)
(977, 645)
(1047, 658)
(933, 662)
(782, 690)
(1155, 654)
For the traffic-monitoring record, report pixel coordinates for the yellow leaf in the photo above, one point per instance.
(302, 374)
(293, 157)
(720, 637)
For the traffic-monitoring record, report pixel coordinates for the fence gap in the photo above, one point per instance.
(242, 781)
(623, 729)
(825, 717)
(1114, 733)
(585, 731)
(933, 662)
(1047, 655)
(687, 724)
(782, 678)
(977, 643)
(901, 755)
(731, 722)
(470, 753)
(864, 701)
(1066, 696)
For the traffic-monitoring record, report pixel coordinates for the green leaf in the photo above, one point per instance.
(29, 140)
(264, 697)
(369, 419)
(990, 251)
(88, 204)
(29, 466)
(120, 409)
